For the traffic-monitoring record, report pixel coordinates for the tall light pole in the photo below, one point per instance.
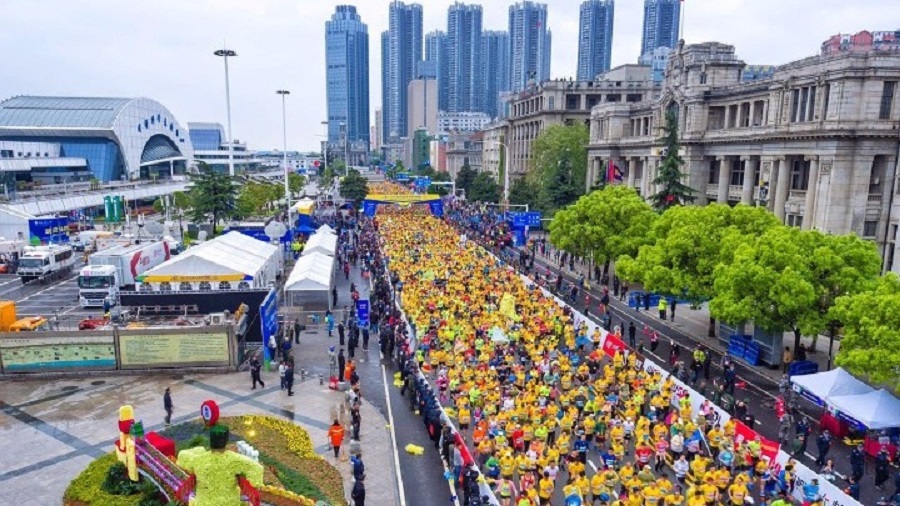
(325, 148)
(505, 171)
(225, 53)
(346, 158)
(287, 188)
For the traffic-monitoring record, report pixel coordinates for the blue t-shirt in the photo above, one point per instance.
(581, 446)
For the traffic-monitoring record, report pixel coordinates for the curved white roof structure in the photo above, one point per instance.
(321, 243)
(145, 132)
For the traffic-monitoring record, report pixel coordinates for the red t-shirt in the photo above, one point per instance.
(643, 454)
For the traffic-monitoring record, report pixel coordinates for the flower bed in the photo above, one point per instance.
(293, 473)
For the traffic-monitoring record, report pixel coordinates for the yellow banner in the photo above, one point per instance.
(401, 199)
(173, 349)
(194, 279)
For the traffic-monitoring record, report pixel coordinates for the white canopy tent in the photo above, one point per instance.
(876, 410)
(823, 386)
(325, 229)
(232, 259)
(325, 244)
(310, 282)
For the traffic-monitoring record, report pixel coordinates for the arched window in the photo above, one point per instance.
(205, 286)
(165, 286)
(145, 287)
(184, 286)
(224, 285)
(243, 285)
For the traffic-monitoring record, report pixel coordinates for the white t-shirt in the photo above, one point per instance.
(281, 369)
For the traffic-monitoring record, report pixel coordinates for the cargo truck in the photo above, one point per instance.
(117, 269)
(45, 262)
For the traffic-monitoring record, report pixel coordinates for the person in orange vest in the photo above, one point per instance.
(336, 437)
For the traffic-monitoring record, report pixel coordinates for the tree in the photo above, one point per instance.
(483, 189)
(523, 192)
(296, 182)
(559, 165)
(181, 203)
(603, 225)
(213, 196)
(871, 328)
(788, 280)
(669, 176)
(354, 186)
(440, 177)
(159, 206)
(328, 176)
(255, 198)
(465, 177)
(687, 243)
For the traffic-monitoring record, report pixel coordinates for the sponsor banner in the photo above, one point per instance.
(195, 279)
(362, 312)
(404, 199)
(613, 345)
(268, 321)
(198, 348)
(767, 448)
(80, 351)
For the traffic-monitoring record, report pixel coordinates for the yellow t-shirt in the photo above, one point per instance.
(546, 488)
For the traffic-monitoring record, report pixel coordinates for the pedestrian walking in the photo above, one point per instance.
(168, 406)
(336, 437)
(882, 461)
(357, 467)
(672, 306)
(786, 358)
(365, 336)
(255, 368)
(632, 335)
(341, 363)
(282, 369)
(341, 332)
(662, 306)
(334, 296)
(647, 302)
(823, 444)
(289, 379)
(654, 341)
(296, 330)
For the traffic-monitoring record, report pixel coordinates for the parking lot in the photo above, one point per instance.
(58, 297)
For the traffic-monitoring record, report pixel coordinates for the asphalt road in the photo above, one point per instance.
(36, 298)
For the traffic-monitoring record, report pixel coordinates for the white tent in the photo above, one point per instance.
(876, 410)
(325, 229)
(834, 383)
(233, 257)
(310, 282)
(321, 243)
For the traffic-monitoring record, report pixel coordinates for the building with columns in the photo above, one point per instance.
(817, 143)
(568, 102)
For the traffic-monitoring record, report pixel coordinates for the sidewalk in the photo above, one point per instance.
(52, 432)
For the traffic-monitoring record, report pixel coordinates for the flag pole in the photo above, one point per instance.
(681, 28)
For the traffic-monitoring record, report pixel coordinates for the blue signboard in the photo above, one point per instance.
(403, 177)
(437, 208)
(362, 312)
(422, 183)
(47, 230)
(369, 207)
(533, 219)
(268, 320)
(517, 219)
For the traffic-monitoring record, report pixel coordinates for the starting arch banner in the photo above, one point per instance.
(433, 201)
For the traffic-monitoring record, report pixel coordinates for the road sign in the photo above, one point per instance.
(362, 312)
(316, 163)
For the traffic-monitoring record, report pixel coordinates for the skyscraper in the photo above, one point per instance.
(347, 75)
(496, 70)
(436, 52)
(660, 24)
(529, 43)
(464, 52)
(385, 76)
(404, 52)
(595, 35)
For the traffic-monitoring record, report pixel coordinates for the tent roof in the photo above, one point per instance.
(304, 206)
(322, 243)
(312, 272)
(325, 229)
(232, 253)
(833, 383)
(875, 410)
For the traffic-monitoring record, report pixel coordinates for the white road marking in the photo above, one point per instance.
(51, 287)
(387, 398)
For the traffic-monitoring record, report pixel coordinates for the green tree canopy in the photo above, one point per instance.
(788, 280)
(328, 176)
(871, 327)
(603, 225)
(559, 165)
(296, 182)
(686, 245)
(465, 177)
(483, 189)
(255, 199)
(672, 190)
(523, 192)
(213, 196)
(354, 186)
(440, 177)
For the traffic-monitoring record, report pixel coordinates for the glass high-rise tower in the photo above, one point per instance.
(661, 19)
(529, 44)
(436, 52)
(465, 83)
(347, 75)
(496, 70)
(401, 57)
(595, 35)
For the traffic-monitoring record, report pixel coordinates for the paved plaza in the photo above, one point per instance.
(51, 430)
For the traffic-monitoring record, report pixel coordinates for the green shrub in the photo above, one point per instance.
(118, 483)
(87, 488)
(292, 480)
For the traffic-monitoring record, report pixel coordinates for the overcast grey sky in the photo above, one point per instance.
(162, 49)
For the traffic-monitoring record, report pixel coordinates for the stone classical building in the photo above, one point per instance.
(495, 135)
(569, 102)
(817, 142)
(464, 148)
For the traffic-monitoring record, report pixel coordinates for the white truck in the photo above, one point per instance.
(117, 268)
(44, 262)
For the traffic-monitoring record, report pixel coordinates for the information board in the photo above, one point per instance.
(198, 348)
(80, 351)
(362, 312)
(268, 320)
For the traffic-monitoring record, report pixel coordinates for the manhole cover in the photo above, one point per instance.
(69, 388)
(98, 383)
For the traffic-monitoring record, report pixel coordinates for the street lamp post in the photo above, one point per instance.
(325, 148)
(287, 188)
(346, 158)
(505, 171)
(225, 53)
